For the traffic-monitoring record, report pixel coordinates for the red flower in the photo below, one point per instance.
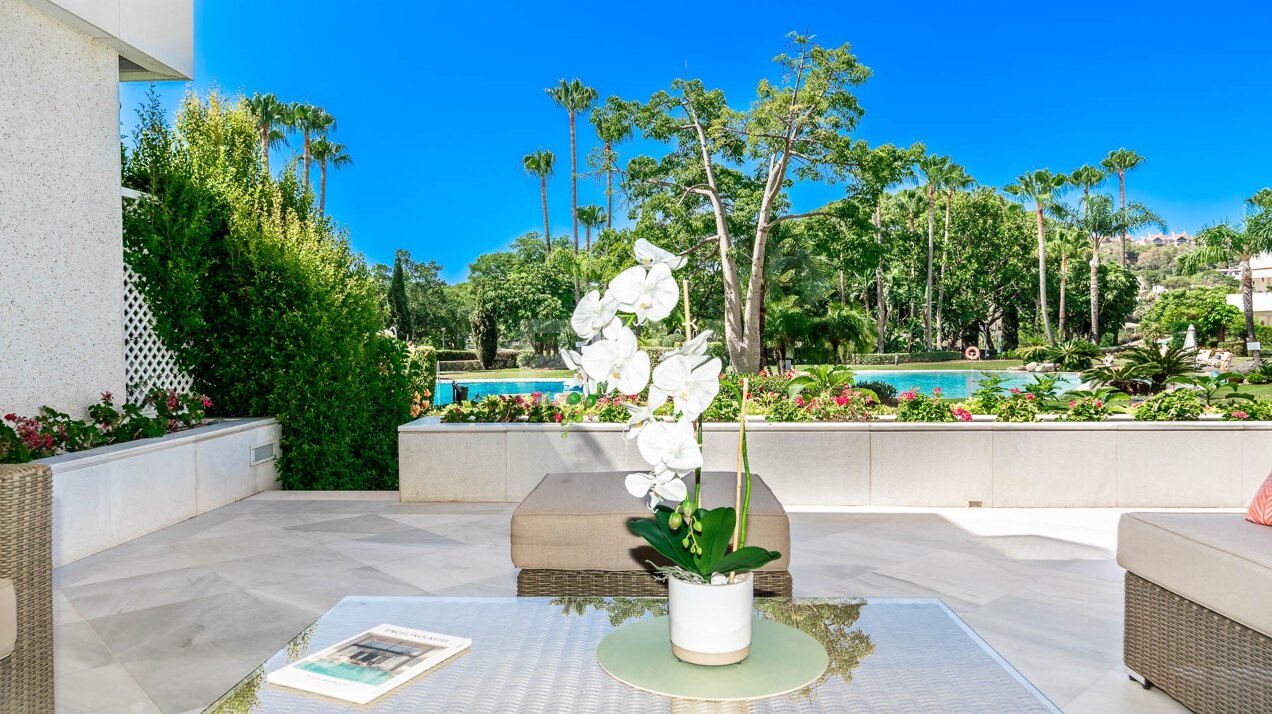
(1030, 396)
(907, 396)
(799, 401)
(1015, 390)
(841, 400)
(557, 417)
(936, 390)
(1099, 403)
(961, 414)
(1073, 403)
(1241, 415)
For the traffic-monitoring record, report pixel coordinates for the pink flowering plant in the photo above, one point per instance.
(914, 405)
(1246, 411)
(1019, 406)
(1089, 408)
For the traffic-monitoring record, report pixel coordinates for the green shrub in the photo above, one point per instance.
(914, 405)
(1179, 405)
(886, 393)
(1019, 407)
(455, 355)
(1247, 411)
(263, 303)
(465, 366)
(485, 332)
(904, 357)
(788, 410)
(421, 371)
(530, 360)
(1087, 409)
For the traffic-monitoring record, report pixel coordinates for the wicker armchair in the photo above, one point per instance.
(26, 558)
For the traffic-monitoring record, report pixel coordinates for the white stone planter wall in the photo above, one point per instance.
(110, 495)
(1124, 464)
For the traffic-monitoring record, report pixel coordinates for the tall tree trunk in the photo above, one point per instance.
(1247, 305)
(588, 231)
(940, 290)
(543, 197)
(843, 287)
(322, 190)
(1064, 281)
(574, 188)
(1121, 188)
(1095, 291)
(1042, 278)
(881, 318)
(306, 150)
(609, 188)
(927, 295)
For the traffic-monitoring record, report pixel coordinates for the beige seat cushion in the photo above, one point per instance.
(8, 618)
(1218, 560)
(578, 521)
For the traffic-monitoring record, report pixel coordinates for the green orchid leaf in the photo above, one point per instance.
(717, 532)
(746, 558)
(657, 537)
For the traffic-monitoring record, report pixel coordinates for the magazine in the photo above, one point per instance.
(370, 663)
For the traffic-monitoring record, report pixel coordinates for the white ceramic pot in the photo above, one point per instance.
(711, 624)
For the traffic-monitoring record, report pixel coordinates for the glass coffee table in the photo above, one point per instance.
(539, 654)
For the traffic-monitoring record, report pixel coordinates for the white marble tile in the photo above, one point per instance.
(102, 689)
(1115, 692)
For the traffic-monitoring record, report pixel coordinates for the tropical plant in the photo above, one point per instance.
(1041, 187)
(268, 115)
(1074, 355)
(539, 164)
(1216, 388)
(821, 379)
(1161, 367)
(956, 179)
(1119, 162)
(611, 128)
(591, 216)
(1176, 405)
(575, 98)
(1066, 243)
(935, 171)
(327, 153)
(844, 326)
(311, 122)
(1018, 407)
(1131, 379)
(1225, 242)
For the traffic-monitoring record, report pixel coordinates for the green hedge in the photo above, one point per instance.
(266, 306)
(466, 365)
(455, 355)
(904, 357)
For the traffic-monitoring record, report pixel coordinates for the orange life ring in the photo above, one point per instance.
(972, 353)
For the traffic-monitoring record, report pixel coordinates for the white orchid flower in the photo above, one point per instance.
(696, 347)
(574, 362)
(691, 388)
(592, 314)
(650, 295)
(617, 363)
(648, 254)
(658, 487)
(640, 416)
(670, 448)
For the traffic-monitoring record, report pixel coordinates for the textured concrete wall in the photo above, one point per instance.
(61, 259)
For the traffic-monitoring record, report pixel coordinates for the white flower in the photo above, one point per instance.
(648, 254)
(696, 347)
(574, 362)
(617, 362)
(670, 448)
(691, 388)
(664, 487)
(640, 416)
(650, 295)
(592, 314)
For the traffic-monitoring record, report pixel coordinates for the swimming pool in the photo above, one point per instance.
(954, 384)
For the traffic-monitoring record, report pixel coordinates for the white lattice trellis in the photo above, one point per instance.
(147, 362)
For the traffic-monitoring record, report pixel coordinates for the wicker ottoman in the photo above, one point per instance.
(1198, 620)
(570, 537)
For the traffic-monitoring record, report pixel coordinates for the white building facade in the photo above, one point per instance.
(61, 252)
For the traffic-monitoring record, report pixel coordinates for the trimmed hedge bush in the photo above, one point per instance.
(904, 357)
(455, 355)
(265, 305)
(467, 365)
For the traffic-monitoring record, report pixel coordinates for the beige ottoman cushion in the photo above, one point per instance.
(578, 521)
(8, 618)
(1218, 560)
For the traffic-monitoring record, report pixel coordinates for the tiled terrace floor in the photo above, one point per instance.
(170, 621)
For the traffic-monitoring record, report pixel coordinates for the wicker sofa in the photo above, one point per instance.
(570, 537)
(1198, 608)
(26, 561)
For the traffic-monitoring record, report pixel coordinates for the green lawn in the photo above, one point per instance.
(951, 365)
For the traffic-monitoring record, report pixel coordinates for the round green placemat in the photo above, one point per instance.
(782, 660)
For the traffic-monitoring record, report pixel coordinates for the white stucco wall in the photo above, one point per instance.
(61, 259)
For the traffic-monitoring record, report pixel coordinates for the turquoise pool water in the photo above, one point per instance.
(954, 384)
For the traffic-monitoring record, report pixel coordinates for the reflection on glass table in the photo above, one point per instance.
(539, 654)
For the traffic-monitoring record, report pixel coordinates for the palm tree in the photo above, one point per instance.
(956, 180)
(312, 122)
(573, 97)
(540, 164)
(592, 216)
(1119, 162)
(845, 326)
(1066, 242)
(1225, 242)
(1097, 221)
(327, 153)
(612, 127)
(934, 171)
(268, 114)
(1040, 186)
(912, 202)
(1088, 177)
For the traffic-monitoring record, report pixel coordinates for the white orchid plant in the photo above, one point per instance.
(702, 544)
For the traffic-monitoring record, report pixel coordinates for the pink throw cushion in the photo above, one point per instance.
(1261, 508)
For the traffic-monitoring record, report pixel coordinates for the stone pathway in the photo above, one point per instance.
(170, 621)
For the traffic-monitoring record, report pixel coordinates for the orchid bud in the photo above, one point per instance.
(697, 526)
(675, 520)
(685, 543)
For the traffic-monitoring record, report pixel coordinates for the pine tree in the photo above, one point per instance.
(399, 308)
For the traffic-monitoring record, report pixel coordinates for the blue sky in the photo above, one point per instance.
(437, 102)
